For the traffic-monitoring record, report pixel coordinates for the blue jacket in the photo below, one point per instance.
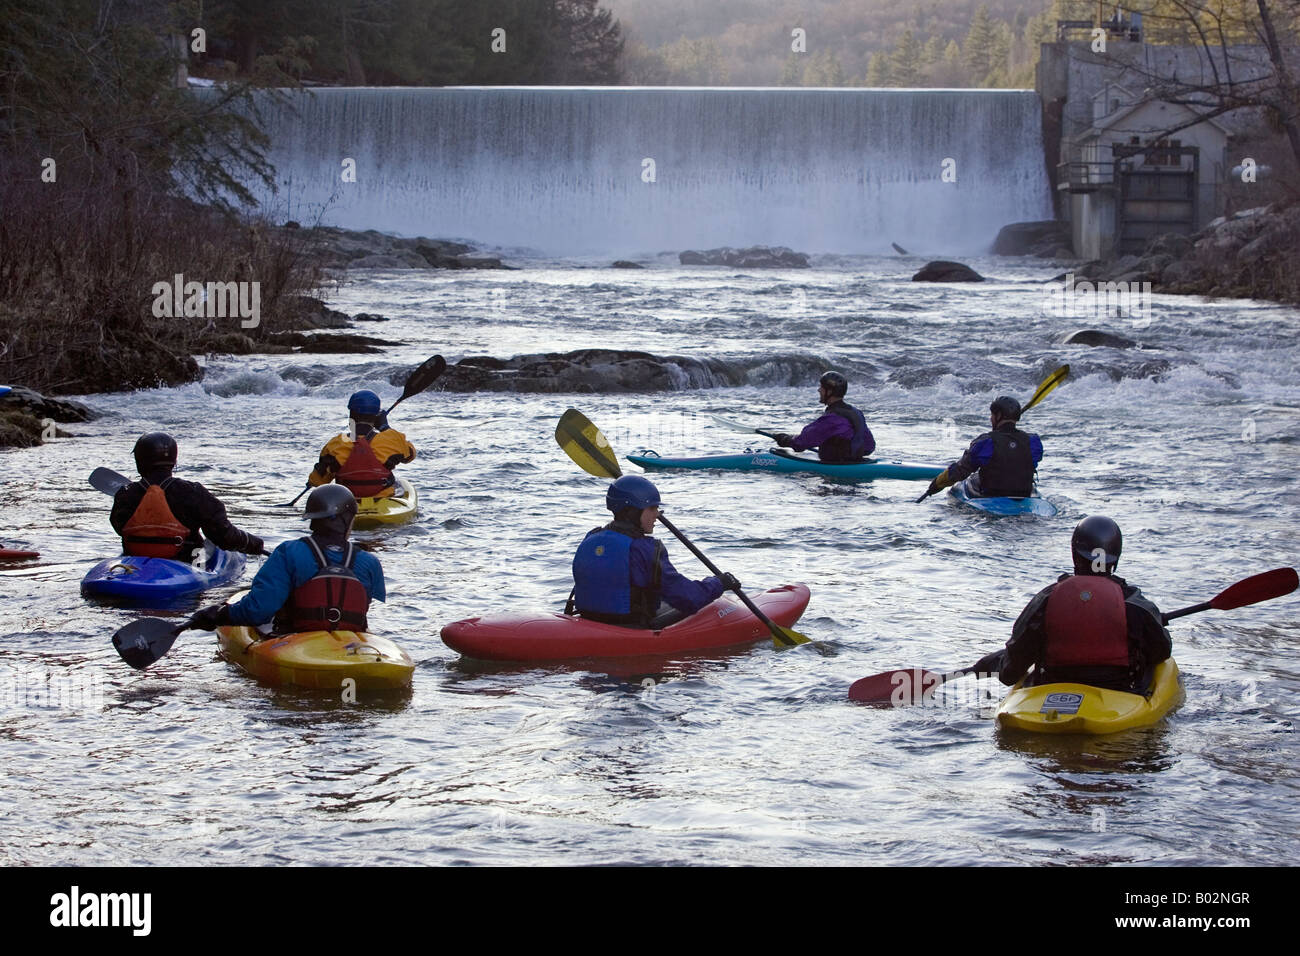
(290, 566)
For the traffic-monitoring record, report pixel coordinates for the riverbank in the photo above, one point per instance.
(1254, 254)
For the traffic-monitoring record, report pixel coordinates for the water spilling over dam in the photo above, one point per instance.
(625, 170)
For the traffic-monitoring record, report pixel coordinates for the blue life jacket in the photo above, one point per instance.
(602, 579)
(862, 443)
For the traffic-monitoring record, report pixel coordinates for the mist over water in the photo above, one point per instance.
(560, 170)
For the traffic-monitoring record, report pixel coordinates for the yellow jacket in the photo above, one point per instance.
(390, 447)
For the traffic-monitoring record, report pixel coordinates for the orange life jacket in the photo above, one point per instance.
(1087, 625)
(363, 473)
(152, 530)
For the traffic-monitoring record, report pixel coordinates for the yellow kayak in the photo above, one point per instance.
(398, 507)
(318, 660)
(1080, 709)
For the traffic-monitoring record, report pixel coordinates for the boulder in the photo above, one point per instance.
(1098, 338)
(753, 257)
(380, 262)
(1029, 238)
(22, 399)
(625, 264)
(943, 271)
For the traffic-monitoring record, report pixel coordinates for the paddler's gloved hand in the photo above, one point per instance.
(382, 424)
(941, 481)
(211, 618)
(784, 440)
(255, 545)
(729, 582)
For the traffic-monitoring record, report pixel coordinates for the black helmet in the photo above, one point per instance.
(1007, 407)
(331, 501)
(835, 383)
(154, 451)
(1094, 534)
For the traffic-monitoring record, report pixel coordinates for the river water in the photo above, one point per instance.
(752, 756)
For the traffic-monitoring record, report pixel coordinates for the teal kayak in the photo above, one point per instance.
(781, 460)
(1036, 504)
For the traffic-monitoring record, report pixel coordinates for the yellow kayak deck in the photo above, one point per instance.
(398, 507)
(318, 660)
(1081, 709)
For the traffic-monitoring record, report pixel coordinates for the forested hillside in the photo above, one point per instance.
(951, 43)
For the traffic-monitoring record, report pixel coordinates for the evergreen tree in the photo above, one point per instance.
(878, 70)
(906, 63)
(978, 48)
(792, 72)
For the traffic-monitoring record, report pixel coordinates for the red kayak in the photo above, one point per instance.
(8, 555)
(552, 636)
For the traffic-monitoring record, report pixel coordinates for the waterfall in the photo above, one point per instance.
(563, 170)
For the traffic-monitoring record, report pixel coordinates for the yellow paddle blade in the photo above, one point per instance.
(789, 638)
(583, 442)
(1049, 383)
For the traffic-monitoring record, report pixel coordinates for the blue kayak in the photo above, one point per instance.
(784, 461)
(160, 579)
(1033, 505)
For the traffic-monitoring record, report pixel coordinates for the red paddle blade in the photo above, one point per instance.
(1260, 587)
(896, 688)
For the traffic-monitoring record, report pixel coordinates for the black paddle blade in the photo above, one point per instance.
(142, 642)
(583, 442)
(424, 376)
(108, 481)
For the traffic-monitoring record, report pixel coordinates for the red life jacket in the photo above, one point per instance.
(153, 531)
(1086, 623)
(363, 474)
(333, 600)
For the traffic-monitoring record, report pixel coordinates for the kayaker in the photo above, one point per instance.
(621, 573)
(161, 516)
(318, 583)
(1001, 462)
(1090, 627)
(363, 462)
(839, 435)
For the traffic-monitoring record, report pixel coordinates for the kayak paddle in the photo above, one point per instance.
(583, 442)
(108, 481)
(1049, 383)
(587, 446)
(781, 636)
(142, 642)
(1252, 590)
(738, 427)
(910, 685)
(416, 382)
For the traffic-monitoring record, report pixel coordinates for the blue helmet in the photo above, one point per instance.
(364, 402)
(631, 491)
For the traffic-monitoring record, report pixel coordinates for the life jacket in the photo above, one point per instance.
(153, 531)
(363, 473)
(1011, 472)
(602, 578)
(1086, 624)
(862, 443)
(333, 600)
